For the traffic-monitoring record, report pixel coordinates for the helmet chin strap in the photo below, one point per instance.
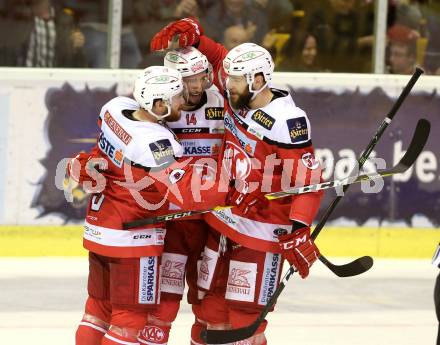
(250, 80)
(160, 117)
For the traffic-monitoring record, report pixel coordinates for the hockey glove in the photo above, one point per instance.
(84, 168)
(299, 250)
(188, 29)
(247, 202)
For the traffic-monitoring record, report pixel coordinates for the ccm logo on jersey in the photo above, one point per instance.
(162, 151)
(214, 113)
(107, 147)
(298, 129)
(263, 119)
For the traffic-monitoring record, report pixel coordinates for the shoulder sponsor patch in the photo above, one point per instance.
(214, 113)
(263, 119)
(298, 130)
(117, 128)
(162, 151)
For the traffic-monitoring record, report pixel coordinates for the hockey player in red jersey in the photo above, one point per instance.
(265, 134)
(135, 156)
(200, 132)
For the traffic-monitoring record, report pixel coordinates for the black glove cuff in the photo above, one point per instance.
(296, 225)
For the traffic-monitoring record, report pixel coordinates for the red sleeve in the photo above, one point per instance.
(215, 52)
(306, 170)
(191, 187)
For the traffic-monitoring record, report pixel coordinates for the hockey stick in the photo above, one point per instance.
(355, 267)
(414, 149)
(229, 336)
(399, 168)
(359, 265)
(362, 159)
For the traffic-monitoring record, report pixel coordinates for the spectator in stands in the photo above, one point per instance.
(92, 16)
(279, 13)
(227, 13)
(432, 52)
(306, 59)
(402, 49)
(52, 38)
(336, 26)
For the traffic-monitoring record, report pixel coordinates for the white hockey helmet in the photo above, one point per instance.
(188, 61)
(157, 82)
(248, 59)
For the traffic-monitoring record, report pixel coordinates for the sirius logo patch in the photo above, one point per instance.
(263, 119)
(298, 129)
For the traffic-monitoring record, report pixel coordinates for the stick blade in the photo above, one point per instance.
(417, 144)
(214, 336)
(354, 268)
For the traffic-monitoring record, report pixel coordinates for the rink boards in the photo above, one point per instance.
(345, 242)
(48, 115)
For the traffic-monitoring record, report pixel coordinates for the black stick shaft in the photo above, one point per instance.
(361, 161)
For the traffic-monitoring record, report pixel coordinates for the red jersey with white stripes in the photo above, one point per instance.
(261, 145)
(140, 177)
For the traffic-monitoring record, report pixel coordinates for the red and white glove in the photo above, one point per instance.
(82, 168)
(247, 202)
(299, 250)
(188, 29)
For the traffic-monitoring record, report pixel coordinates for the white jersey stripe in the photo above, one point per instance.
(123, 238)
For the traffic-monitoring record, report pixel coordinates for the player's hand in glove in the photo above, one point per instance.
(247, 202)
(189, 31)
(299, 249)
(84, 167)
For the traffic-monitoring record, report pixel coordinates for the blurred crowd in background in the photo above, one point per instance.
(303, 36)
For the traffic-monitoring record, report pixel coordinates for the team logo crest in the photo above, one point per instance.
(310, 161)
(236, 161)
(153, 333)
